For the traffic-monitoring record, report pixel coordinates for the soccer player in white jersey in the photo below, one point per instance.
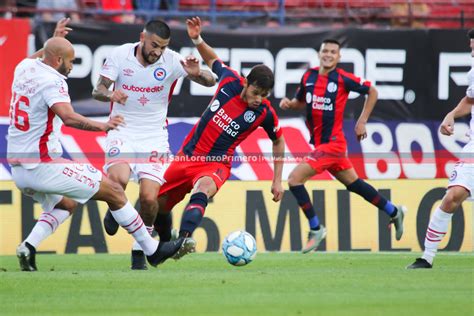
(144, 75)
(40, 105)
(461, 181)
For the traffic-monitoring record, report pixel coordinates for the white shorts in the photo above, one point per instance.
(146, 156)
(49, 182)
(463, 173)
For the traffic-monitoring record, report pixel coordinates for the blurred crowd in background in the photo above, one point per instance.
(450, 14)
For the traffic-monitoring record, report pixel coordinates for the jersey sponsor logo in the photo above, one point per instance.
(215, 105)
(128, 72)
(159, 74)
(114, 151)
(226, 123)
(249, 116)
(134, 88)
(322, 103)
(332, 87)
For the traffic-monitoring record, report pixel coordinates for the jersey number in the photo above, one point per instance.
(24, 123)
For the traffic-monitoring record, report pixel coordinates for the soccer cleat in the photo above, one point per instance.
(315, 237)
(26, 254)
(420, 263)
(189, 246)
(110, 224)
(165, 250)
(138, 260)
(397, 221)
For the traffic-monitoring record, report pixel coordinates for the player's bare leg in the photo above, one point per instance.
(47, 224)
(296, 180)
(119, 173)
(148, 209)
(354, 184)
(438, 226)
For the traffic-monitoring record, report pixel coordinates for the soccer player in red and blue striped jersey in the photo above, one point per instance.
(203, 164)
(323, 92)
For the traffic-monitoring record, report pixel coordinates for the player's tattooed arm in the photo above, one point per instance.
(205, 78)
(101, 92)
(70, 118)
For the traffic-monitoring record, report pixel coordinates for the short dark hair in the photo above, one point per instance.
(471, 33)
(261, 76)
(159, 28)
(331, 41)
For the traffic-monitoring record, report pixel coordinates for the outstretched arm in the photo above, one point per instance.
(203, 77)
(194, 32)
(463, 108)
(61, 30)
(369, 105)
(70, 118)
(278, 149)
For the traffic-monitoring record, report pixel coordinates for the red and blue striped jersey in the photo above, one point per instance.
(326, 97)
(228, 120)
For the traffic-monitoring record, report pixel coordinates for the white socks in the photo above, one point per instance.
(437, 228)
(128, 218)
(47, 224)
(136, 246)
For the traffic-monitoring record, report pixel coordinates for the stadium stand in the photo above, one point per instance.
(370, 13)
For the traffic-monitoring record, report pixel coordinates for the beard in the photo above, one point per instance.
(148, 58)
(63, 70)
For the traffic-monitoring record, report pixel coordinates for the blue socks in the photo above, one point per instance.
(193, 214)
(302, 197)
(371, 195)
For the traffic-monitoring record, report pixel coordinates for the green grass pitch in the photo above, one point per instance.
(274, 284)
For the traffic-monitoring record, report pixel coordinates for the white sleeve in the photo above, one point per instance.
(470, 88)
(110, 68)
(178, 70)
(56, 92)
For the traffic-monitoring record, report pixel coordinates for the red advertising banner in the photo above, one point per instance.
(13, 48)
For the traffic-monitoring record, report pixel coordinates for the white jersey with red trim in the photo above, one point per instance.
(149, 88)
(470, 94)
(33, 134)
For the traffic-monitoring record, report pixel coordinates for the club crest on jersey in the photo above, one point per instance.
(215, 105)
(309, 97)
(160, 74)
(249, 116)
(453, 175)
(332, 87)
(114, 151)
